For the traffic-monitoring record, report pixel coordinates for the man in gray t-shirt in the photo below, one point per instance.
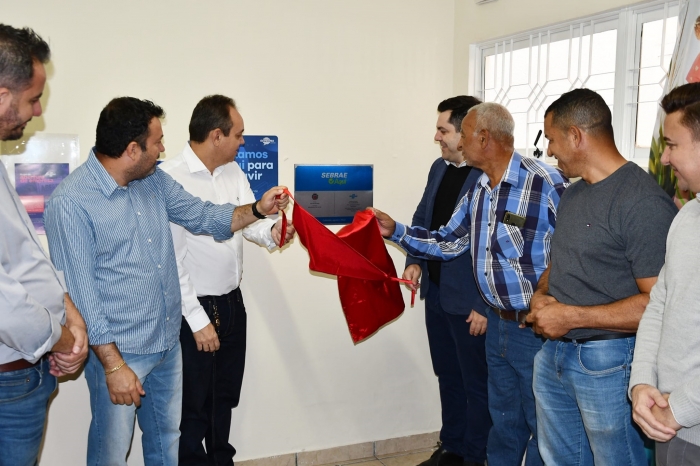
(606, 254)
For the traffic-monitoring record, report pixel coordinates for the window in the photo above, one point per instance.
(623, 55)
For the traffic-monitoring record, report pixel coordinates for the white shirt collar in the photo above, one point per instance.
(194, 163)
(463, 164)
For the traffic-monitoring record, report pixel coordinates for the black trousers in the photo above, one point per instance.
(212, 383)
(459, 361)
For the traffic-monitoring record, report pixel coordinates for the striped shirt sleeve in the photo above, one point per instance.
(197, 216)
(72, 250)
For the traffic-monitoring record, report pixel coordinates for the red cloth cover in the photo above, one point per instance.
(369, 291)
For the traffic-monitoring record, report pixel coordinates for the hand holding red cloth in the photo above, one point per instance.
(368, 286)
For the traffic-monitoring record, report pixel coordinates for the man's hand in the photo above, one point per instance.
(207, 340)
(386, 224)
(413, 273)
(63, 363)
(65, 343)
(277, 232)
(477, 323)
(665, 415)
(548, 316)
(269, 204)
(651, 411)
(125, 387)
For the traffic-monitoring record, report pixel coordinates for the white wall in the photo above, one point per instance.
(344, 81)
(339, 82)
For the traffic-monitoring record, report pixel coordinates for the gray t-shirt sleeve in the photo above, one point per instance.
(644, 228)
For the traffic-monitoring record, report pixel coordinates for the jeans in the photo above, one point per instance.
(583, 414)
(24, 396)
(212, 384)
(510, 353)
(112, 426)
(459, 361)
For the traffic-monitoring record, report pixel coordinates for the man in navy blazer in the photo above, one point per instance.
(455, 313)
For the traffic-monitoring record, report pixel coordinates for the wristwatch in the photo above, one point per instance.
(256, 212)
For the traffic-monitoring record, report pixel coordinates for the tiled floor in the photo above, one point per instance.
(410, 458)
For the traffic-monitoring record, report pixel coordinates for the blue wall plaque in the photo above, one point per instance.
(333, 193)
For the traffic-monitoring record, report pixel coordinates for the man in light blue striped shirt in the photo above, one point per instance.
(108, 230)
(507, 220)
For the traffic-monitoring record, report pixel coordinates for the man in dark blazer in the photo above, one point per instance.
(455, 313)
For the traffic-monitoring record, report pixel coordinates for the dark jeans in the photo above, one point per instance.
(510, 352)
(212, 384)
(459, 361)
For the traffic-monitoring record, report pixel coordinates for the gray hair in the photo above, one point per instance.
(497, 120)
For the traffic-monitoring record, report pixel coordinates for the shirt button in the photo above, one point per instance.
(489, 224)
(486, 274)
(487, 249)
(167, 318)
(149, 240)
(158, 265)
(138, 213)
(165, 293)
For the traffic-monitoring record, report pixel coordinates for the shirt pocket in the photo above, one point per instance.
(509, 241)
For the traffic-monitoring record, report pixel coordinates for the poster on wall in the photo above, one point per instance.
(36, 165)
(333, 193)
(258, 158)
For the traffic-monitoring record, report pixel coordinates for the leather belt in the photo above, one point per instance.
(514, 316)
(17, 365)
(607, 336)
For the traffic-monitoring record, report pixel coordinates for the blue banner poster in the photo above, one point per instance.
(34, 182)
(258, 158)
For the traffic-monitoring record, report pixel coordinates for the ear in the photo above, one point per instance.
(216, 137)
(575, 136)
(132, 151)
(5, 99)
(484, 137)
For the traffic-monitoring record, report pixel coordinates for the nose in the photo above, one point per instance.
(36, 109)
(665, 156)
(438, 136)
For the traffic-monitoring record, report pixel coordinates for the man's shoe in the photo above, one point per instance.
(442, 457)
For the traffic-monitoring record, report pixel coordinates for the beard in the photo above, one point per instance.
(11, 125)
(142, 169)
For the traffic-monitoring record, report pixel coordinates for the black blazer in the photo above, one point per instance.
(459, 293)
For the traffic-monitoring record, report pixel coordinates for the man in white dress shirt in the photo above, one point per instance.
(213, 334)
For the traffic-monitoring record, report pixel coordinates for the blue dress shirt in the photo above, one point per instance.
(508, 260)
(116, 250)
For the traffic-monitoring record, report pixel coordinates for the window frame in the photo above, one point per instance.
(628, 21)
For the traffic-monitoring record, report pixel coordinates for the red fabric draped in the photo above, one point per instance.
(369, 290)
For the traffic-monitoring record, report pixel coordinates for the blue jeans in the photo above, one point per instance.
(24, 396)
(510, 353)
(583, 414)
(459, 361)
(112, 426)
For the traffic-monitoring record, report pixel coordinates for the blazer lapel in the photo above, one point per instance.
(434, 184)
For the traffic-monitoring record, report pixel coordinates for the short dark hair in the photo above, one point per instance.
(584, 109)
(459, 106)
(686, 99)
(18, 50)
(212, 112)
(123, 120)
